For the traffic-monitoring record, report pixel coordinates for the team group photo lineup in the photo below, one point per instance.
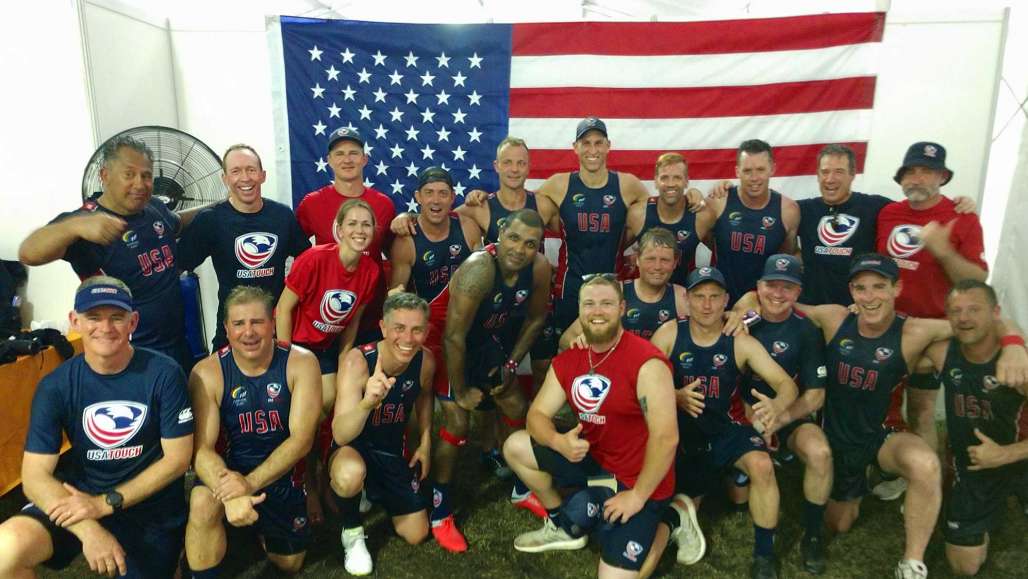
(615, 357)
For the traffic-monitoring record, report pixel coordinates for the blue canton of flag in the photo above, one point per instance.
(421, 95)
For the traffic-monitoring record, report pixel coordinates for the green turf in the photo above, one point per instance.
(871, 549)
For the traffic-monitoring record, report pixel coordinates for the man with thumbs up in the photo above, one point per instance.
(382, 383)
(620, 390)
(983, 419)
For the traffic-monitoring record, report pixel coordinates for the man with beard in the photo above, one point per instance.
(714, 436)
(620, 390)
(671, 210)
(266, 398)
(934, 247)
(248, 238)
(503, 281)
(984, 421)
(752, 221)
(382, 383)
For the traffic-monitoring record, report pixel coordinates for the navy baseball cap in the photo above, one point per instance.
(583, 511)
(433, 175)
(705, 274)
(882, 265)
(98, 295)
(783, 267)
(925, 154)
(344, 134)
(590, 124)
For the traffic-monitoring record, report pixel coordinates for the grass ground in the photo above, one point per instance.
(871, 549)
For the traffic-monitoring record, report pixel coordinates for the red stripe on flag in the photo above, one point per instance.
(737, 101)
(790, 161)
(713, 37)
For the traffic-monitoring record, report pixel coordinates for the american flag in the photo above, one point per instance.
(446, 95)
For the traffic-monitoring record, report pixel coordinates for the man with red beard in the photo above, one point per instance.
(620, 390)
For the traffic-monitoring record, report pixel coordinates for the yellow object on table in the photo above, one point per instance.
(18, 382)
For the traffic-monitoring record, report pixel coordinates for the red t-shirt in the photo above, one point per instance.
(608, 408)
(925, 283)
(317, 214)
(329, 295)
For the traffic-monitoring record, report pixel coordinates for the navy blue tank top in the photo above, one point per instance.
(718, 373)
(643, 318)
(497, 213)
(386, 425)
(435, 261)
(976, 399)
(500, 305)
(684, 231)
(864, 375)
(592, 226)
(743, 238)
(254, 411)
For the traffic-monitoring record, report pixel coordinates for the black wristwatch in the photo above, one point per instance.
(114, 499)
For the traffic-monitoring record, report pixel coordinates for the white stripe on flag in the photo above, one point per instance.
(706, 70)
(706, 133)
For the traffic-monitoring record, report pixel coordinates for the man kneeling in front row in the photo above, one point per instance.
(266, 397)
(620, 389)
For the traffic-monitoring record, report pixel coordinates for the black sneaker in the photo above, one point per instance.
(494, 461)
(763, 568)
(813, 552)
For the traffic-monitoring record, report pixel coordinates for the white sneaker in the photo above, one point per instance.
(549, 538)
(365, 505)
(358, 560)
(890, 490)
(910, 569)
(688, 535)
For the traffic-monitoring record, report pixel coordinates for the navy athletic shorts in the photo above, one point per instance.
(976, 502)
(622, 545)
(152, 543)
(390, 482)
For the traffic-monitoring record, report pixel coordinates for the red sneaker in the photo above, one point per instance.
(449, 536)
(531, 504)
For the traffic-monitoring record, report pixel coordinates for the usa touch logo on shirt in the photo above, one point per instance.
(110, 425)
(255, 249)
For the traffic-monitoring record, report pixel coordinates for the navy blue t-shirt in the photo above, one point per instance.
(145, 259)
(719, 377)
(830, 236)
(114, 422)
(245, 248)
(796, 345)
